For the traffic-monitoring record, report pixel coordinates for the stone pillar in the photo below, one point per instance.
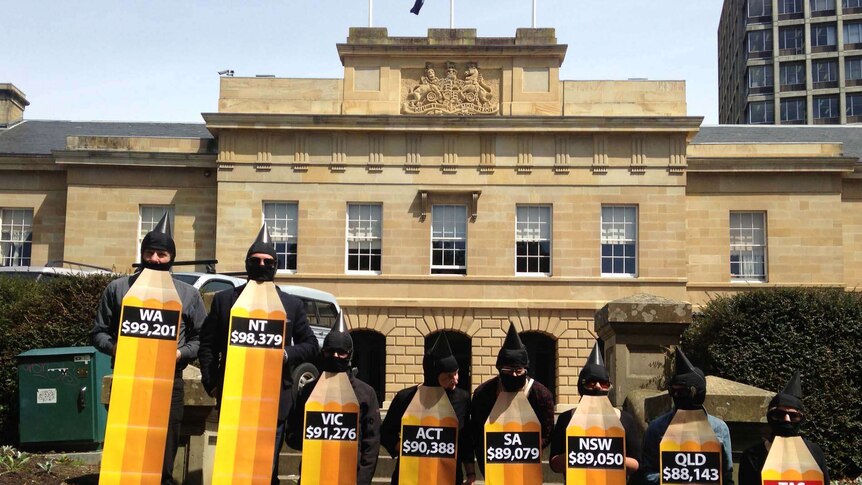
(636, 331)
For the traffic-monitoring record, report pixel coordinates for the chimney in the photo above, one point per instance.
(12, 104)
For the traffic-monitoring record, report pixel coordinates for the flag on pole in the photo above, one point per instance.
(417, 6)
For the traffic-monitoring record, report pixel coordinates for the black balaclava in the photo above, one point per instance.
(437, 361)
(263, 244)
(791, 397)
(693, 379)
(160, 238)
(513, 354)
(594, 370)
(337, 339)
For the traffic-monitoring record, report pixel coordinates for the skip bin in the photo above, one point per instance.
(59, 391)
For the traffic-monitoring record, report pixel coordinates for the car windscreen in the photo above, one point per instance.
(185, 278)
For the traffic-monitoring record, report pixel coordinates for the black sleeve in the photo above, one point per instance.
(304, 347)
(213, 344)
(390, 430)
(296, 418)
(820, 458)
(369, 444)
(483, 401)
(465, 435)
(633, 442)
(543, 404)
(749, 472)
(558, 436)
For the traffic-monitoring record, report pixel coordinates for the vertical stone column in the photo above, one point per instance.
(635, 331)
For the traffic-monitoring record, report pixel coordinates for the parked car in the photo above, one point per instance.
(52, 270)
(321, 308)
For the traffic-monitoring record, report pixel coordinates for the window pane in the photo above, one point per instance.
(281, 221)
(853, 32)
(619, 240)
(364, 237)
(854, 104)
(449, 239)
(16, 236)
(748, 245)
(532, 232)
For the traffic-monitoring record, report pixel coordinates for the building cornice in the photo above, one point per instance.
(134, 159)
(771, 164)
(217, 122)
(29, 162)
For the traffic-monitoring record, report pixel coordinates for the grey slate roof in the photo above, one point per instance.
(34, 137)
(851, 136)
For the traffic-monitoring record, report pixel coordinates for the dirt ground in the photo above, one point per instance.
(59, 474)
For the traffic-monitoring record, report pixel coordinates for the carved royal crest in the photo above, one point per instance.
(450, 95)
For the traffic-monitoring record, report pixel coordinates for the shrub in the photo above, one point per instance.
(55, 312)
(761, 337)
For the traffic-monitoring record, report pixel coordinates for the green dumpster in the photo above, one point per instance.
(59, 391)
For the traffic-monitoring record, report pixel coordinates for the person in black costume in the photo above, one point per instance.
(594, 381)
(785, 415)
(337, 351)
(512, 362)
(441, 370)
(158, 252)
(260, 265)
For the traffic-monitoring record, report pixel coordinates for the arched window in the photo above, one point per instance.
(369, 358)
(542, 350)
(462, 348)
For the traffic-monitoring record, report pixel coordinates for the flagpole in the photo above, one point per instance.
(370, 6)
(451, 14)
(534, 14)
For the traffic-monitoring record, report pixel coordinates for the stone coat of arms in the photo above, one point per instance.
(450, 95)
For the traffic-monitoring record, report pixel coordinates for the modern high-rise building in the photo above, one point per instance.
(790, 62)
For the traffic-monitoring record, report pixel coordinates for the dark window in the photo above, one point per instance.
(851, 6)
(448, 239)
(320, 313)
(760, 112)
(823, 37)
(789, 7)
(369, 359)
(793, 111)
(760, 43)
(826, 108)
(364, 237)
(759, 9)
(853, 70)
(792, 76)
(16, 236)
(760, 78)
(462, 349)
(542, 351)
(824, 73)
(791, 40)
(212, 286)
(822, 7)
(853, 34)
(854, 106)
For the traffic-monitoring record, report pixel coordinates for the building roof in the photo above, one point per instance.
(850, 136)
(37, 137)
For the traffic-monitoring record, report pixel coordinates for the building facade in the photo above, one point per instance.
(790, 62)
(451, 183)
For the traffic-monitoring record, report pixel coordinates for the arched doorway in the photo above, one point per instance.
(369, 358)
(462, 348)
(542, 350)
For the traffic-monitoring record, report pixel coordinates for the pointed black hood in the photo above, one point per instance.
(438, 360)
(791, 395)
(513, 353)
(594, 370)
(263, 243)
(160, 238)
(692, 378)
(338, 337)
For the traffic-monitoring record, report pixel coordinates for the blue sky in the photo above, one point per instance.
(157, 60)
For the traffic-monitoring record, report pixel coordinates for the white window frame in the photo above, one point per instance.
(747, 225)
(16, 221)
(449, 225)
(829, 67)
(364, 234)
(610, 231)
(534, 226)
(282, 221)
(149, 216)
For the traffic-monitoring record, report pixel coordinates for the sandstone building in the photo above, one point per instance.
(450, 182)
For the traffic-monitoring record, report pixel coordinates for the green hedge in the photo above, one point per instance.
(761, 337)
(53, 312)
